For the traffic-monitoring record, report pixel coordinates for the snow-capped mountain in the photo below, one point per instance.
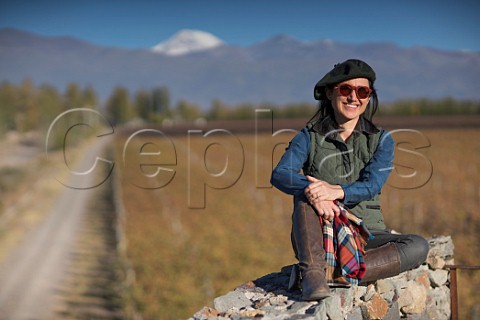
(278, 70)
(187, 41)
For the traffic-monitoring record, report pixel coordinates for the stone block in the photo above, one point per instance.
(438, 277)
(424, 279)
(333, 307)
(384, 286)
(376, 308)
(369, 293)
(438, 304)
(233, 299)
(300, 307)
(206, 313)
(436, 262)
(393, 312)
(320, 311)
(412, 299)
(358, 292)
(355, 314)
(441, 246)
(389, 296)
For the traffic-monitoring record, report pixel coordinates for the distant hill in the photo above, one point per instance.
(280, 70)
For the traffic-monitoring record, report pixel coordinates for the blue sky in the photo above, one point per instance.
(451, 25)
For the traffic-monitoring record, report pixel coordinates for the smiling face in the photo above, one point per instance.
(347, 109)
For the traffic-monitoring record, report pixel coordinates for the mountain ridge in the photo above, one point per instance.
(277, 70)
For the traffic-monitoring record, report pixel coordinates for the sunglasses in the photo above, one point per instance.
(361, 91)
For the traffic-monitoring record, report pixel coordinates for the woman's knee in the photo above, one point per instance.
(414, 252)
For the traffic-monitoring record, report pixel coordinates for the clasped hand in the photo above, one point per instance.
(322, 190)
(321, 196)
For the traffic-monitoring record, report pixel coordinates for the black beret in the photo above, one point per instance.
(350, 69)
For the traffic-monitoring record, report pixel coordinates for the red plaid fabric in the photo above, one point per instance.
(344, 241)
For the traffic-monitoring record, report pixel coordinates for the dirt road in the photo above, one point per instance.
(31, 276)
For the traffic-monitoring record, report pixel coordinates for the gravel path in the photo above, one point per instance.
(31, 276)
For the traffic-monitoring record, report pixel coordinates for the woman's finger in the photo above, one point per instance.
(336, 209)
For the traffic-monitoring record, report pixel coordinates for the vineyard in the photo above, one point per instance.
(208, 219)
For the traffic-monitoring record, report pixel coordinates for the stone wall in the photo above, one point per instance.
(422, 293)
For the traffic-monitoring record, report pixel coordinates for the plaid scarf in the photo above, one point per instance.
(344, 241)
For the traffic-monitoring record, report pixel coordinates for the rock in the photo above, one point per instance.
(413, 298)
(423, 278)
(438, 277)
(301, 307)
(376, 308)
(370, 293)
(422, 293)
(441, 247)
(355, 314)
(333, 306)
(233, 299)
(436, 262)
(390, 296)
(359, 292)
(438, 304)
(385, 286)
(347, 297)
(320, 312)
(206, 313)
(393, 312)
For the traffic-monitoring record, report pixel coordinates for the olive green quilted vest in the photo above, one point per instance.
(335, 161)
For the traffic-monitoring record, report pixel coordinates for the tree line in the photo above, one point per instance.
(26, 107)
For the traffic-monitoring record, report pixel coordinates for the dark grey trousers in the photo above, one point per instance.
(413, 249)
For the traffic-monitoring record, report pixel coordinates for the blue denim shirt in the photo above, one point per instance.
(287, 177)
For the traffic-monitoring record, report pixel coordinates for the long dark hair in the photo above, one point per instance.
(325, 107)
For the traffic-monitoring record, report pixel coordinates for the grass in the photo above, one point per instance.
(184, 257)
(10, 178)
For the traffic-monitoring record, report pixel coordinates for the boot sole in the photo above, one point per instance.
(318, 295)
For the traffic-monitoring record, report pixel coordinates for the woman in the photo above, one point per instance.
(344, 158)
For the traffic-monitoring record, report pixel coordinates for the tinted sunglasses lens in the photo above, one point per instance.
(363, 92)
(345, 90)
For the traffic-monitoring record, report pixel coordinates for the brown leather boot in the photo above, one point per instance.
(382, 262)
(307, 241)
